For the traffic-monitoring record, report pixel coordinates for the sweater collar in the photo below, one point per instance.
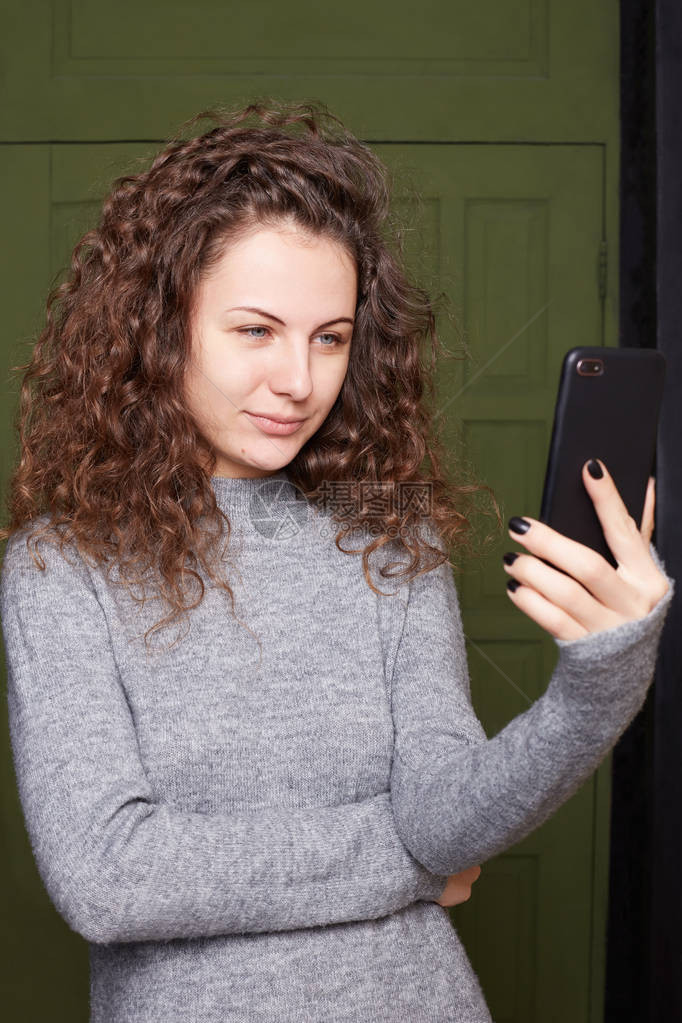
(256, 498)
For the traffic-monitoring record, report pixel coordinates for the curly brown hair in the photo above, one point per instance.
(109, 452)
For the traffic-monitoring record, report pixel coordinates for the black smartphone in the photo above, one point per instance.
(607, 407)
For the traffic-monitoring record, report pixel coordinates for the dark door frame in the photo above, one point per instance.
(644, 943)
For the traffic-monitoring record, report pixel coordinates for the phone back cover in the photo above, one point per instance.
(613, 417)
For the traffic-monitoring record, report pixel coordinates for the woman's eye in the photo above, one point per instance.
(245, 330)
(337, 341)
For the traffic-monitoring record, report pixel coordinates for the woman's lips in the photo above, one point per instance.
(272, 426)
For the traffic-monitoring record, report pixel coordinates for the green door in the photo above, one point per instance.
(513, 234)
(509, 151)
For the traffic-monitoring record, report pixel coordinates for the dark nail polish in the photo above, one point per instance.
(519, 525)
(513, 585)
(510, 557)
(594, 468)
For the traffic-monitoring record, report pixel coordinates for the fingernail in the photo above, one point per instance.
(510, 557)
(594, 468)
(518, 525)
(513, 585)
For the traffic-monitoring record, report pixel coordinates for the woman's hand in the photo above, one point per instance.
(458, 888)
(594, 595)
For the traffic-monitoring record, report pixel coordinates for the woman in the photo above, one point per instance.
(264, 819)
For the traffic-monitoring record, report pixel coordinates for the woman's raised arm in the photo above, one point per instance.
(460, 798)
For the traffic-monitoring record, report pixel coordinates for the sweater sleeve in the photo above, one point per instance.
(120, 866)
(460, 798)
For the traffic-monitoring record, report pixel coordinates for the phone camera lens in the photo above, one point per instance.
(590, 367)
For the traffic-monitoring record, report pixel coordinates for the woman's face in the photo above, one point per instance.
(288, 360)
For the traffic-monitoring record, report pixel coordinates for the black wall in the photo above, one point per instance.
(644, 944)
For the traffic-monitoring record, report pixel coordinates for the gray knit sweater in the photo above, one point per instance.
(247, 832)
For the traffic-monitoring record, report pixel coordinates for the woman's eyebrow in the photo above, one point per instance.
(262, 312)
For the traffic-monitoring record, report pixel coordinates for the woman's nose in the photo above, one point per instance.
(291, 370)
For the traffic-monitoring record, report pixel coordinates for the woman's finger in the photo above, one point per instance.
(579, 564)
(647, 527)
(557, 602)
(458, 886)
(630, 591)
(547, 615)
(620, 529)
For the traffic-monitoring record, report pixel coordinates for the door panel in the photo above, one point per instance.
(78, 69)
(512, 235)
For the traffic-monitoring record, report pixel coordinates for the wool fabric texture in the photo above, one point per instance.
(254, 824)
